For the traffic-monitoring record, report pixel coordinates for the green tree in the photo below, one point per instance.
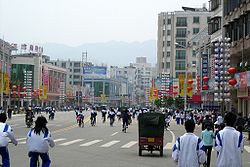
(179, 103)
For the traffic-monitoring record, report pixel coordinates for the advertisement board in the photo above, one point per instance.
(100, 70)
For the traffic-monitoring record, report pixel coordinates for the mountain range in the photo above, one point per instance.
(110, 53)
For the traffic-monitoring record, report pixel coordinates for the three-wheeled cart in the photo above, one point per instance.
(151, 132)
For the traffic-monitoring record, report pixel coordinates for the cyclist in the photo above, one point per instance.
(111, 116)
(93, 115)
(80, 118)
(6, 132)
(38, 141)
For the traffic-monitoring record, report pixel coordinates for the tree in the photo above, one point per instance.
(179, 103)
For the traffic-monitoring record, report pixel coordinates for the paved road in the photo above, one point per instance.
(97, 146)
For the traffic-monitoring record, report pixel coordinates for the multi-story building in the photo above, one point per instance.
(5, 68)
(175, 31)
(74, 80)
(143, 80)
(236, 14)
(43, 83)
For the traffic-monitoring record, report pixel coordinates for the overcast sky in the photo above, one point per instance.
(75, 22)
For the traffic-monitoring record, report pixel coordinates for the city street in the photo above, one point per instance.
(97, 146)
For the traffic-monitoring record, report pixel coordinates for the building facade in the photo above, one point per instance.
(175, 30)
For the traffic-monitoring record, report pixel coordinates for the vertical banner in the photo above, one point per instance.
(151, 94)
(1, 86)
(181, 84)
(204, 65)
(243, 79)
(45, 81)
(6, 83)
(189, 92)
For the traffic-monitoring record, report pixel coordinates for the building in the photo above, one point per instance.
(34, 82)
(175, 30)
(74, 79)
(236, 14)
(5, 68)
(143, 80)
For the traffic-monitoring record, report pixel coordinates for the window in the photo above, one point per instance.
(181, 22)
(70, 76)
(214, 25)
(163, 43)
(181, 32)
(162, 65)
(77, 70)
(163, 54)
(208, 19)
(70, 82)
(168, 65)
(70, 64)
(168, 32)
(193, 75)
(76, 76)
(248, 24)
(181, 43)
(63, 65)
(180, 65)
(70, 70)
(164, 21)
(169, 21)
(193, 63)
(77, 64)
(196, 19)
(168, 54)
(214, 4)
(180, 54)
(168, 43)
(194, 53)
(196, 30)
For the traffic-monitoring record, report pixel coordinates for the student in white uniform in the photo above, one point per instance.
(229, 144)
(5, 134)
(38, 141)
(189, 150)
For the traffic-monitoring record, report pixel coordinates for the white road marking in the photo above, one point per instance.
(90, 143)
(169, 146)
(110, 143)
(14, 125)
(247, 148)
(130, 144)
(61, 139)
(71, 142)
(114, 134)
(20, 139)
(23, 142)
(173, 136)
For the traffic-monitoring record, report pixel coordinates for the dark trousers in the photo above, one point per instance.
(5, 156)
(208, 150)
(34, 159)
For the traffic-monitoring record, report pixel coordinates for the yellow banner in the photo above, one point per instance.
(41, 92)
(6, 83)
(45, 91)
(189, 92)
(151, 94)
(181, 84)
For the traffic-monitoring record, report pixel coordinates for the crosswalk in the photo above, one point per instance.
(64, 142)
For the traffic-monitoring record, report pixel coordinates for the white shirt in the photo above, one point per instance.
(229, 144)
(188, 151)
(6, 133)
(39, 143)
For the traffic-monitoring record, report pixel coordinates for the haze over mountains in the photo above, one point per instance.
(110, 53)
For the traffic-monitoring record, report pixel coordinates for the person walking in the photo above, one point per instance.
(207, 138)
(38, 141)
(5, 135)
(229, 144)
(189, 150)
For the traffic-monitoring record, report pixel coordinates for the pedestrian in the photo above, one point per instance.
(207, 138)
(207, 122)
(6, 134)
(189, 150)
(38, 141)
(240, 122)
(229, 144)
(178, 117)
(182, 116)
(9, 111)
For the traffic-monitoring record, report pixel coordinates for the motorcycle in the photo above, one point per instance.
(29, 122)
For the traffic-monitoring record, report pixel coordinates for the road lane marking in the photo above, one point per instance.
(71, 142)
(90, 143)
(173, 136)
(20, 139)
(247, 148)
(130, 144)
(23, 142)
(169, 146)
(110, 143)
(61, 139)
(114, 134)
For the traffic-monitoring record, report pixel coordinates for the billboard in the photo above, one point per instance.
(100, 70)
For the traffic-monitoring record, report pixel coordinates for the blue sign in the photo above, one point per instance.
(100, 70)
(204, 65)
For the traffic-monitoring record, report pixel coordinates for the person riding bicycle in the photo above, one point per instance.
(5, 134)
(125, 120)
(104, 112)
(93, 115)
(38, 141)
(111, 116)
(80, 118)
